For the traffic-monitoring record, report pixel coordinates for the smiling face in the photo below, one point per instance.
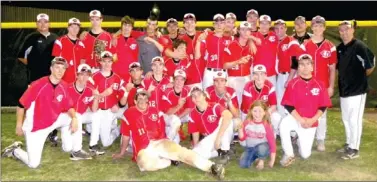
(43, 25)
(141, 101)
(318, 29)
(58, 70)
(346, 33)
(95, 21)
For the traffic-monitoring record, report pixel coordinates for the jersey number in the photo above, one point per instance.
(152, 104)
(141, 131)
(214, 57)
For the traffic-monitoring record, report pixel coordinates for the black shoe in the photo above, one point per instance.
(96, 150)
(175, 163)
(218, 171)
(344, 149)
(351, 154)
(80, 155)
(236, 139)
(232, 151)
(224, 156)
(53, 138)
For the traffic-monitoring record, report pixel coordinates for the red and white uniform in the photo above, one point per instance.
(208, 124)
(168, 43)
(213, 97)
(171, 66)
(72, 52)
(251, 94)
(267, 52)
(170, 99)
(127, 51)
(155, 98)
(89, 42)
(142, 127)
(307, 97)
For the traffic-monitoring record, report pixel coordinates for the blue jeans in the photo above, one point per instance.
(260, 151)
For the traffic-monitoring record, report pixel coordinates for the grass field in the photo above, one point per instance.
(56, 165)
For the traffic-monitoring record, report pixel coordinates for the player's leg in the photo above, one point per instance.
(287, 125)
(321, 132)
(305, 141)
(149, 160)
(272, 79)
(275, 121)
(95, 123)
(208, 78)
(346, 109)
(107, 133)
(173, 124)
(280, 89)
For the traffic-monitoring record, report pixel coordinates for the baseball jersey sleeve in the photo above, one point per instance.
(366, 56)
(325, 101)
(272, 97)
(68, 102)
(27, 46)
(136, 34)
(124, 127)
(288, 97)
(166, 104)
(333, 57)
(270, 137)
(57, 48)
(189, 103)
(218, 109)
(192, 125)
(246, 95)
(30, 94)
(235, 100)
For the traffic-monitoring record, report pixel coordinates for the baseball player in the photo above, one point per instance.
(70, 48)
(306, 99)
(355, 63)
(96, 41)
(260, 88)
(252, 17)
(134, 83)
(238, 59)
(230, 24)
(267, 48)
(172, 27)
(52, 93)
(214, 122)
(152, 151)
(110, 87)
(172, 64)
(324, 53)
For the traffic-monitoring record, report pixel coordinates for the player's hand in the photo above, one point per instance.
(227, 97)
(19, 131)
(83, 34)
(217, 143)
(169, 85)
(115, 108)
(182, 31)
(148, 75)
(179, 55)
(202, 36)
(181, 101)
(207, 30)
(129, 86)
(158, 34)
(306, 123)
(244, 59)
(96, 93)
(271, 163)
(148, 39)
(151, 88)
(117, 156)
(330, 90)
(74, 125)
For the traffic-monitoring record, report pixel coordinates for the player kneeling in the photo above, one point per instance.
(258, 135)
(214, 122)
(46, 102)
(151, 148)
(306, 99)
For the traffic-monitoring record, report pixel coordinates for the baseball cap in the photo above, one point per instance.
(300, 19)
(59, 60)
(318, 19)
(245, 24)
(141, 91)
(280, 22)
(348, 23)
(95, 13)
(260, 68)
(134, 65)
(179, 72)
(252, 11)
(84, 68)
(231, 16)
(265, 18)
(158, 58)
(74, 21)
(220, 74)
(218, 17)
(171, 20)
(43, 16)
(189, 16)
(305, 56)
(106, 54)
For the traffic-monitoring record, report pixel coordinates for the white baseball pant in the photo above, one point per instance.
(89, 118)
(208, 77)
(272, 79)
(305, 137)
(172, 123)
(206, 147)
(280, 89)
(109, 130)
(322, 127)
(238, 84)
(35, 140)
(352, 115)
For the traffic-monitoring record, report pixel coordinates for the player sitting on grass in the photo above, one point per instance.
(151, 148)
(306, 99)
(258, 135)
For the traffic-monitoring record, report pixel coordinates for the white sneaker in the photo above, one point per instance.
(8, 151)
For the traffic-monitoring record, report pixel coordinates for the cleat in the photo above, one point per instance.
(175, 163)
(224, 157)
(53, 138)
(96, 150)
(218, 171)
(344, 149)
(80, 155)
(351, 154)
(321, 146)
(8, 151)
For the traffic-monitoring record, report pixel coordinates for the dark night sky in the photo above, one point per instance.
(334, 10)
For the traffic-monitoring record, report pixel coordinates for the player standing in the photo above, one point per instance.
(172, 64)
(252, 17)
(230, 24)
(134, 83)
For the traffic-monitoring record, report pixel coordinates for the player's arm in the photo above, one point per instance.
(185, 112)
(20, 119)
(195, 138)
(156, 43)
(226, 116)
(366, 56)
(233, 109)
(198, 45)
(123, 147)
(332, 69)
(26, 49)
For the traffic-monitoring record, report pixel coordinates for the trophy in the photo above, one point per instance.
(99, 47)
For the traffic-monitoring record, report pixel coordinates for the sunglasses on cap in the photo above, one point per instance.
(189, 16)
(85, 70)
(60, 59)
(172, 20)
(107, 55)
(304, 56)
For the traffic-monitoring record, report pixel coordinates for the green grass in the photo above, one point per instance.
(320, 166)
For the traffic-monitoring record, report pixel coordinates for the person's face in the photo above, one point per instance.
(259, 77)
(179, 82)
(151, 26)
(245, 33)
(300, 26)
(305, 68)
(230, 23)
(136, 73)
(127, 28)
(83, 77)
(318, 28)
(172, 28)
(265, 26)
(258, 113)
(181, 48)
(346, 33)
(220, 84)
(253, 19)
(95, 21)
(141, 102)
(58, 70)
(73, 29)
(158, 67)
(106, 64)
(190, 25)
(219, 25)
(280, 30)
(43, 25)
(198, 97)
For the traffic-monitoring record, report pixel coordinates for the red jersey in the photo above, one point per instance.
(205, 122)
(89, 42)
(213, 97)
(214, 47)
(71, 51)
(132, 93)
(267, 52)
(323, 56)
(143, 127)
(287, 48)
(251, 94)
(127, 51)
(81, 100)
(306, 97)
(156, 95)
(170, 99)
(46, 102)
(115, 82)
(236, 51)
(171, 65)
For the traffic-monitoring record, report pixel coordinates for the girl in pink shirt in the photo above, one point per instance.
(257, 137)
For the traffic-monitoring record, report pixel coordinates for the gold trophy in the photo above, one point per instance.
(99, 47)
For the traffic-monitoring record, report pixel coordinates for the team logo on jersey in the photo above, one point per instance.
(284, 47)
(133, 46)
(272, 38)
(59, 98)
(86, 100)
(315, 91)
(211, 118)
(115, 86)
(154, 117)
(325, 54)
(264, 98)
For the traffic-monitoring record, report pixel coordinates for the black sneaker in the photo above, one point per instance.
(53, 138)
(175, 163)
(236, 139)
(232, 151)
(218, 171)
(96, 150)
(224, 156)
(351, 154)
(80, 155)
(343, 149)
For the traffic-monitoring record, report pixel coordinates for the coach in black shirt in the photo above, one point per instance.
(355, 63)
(36, 51)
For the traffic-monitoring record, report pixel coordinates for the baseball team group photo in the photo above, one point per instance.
(188, 91)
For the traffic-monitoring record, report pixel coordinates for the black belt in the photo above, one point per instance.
(283, 73)
(215, 69)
